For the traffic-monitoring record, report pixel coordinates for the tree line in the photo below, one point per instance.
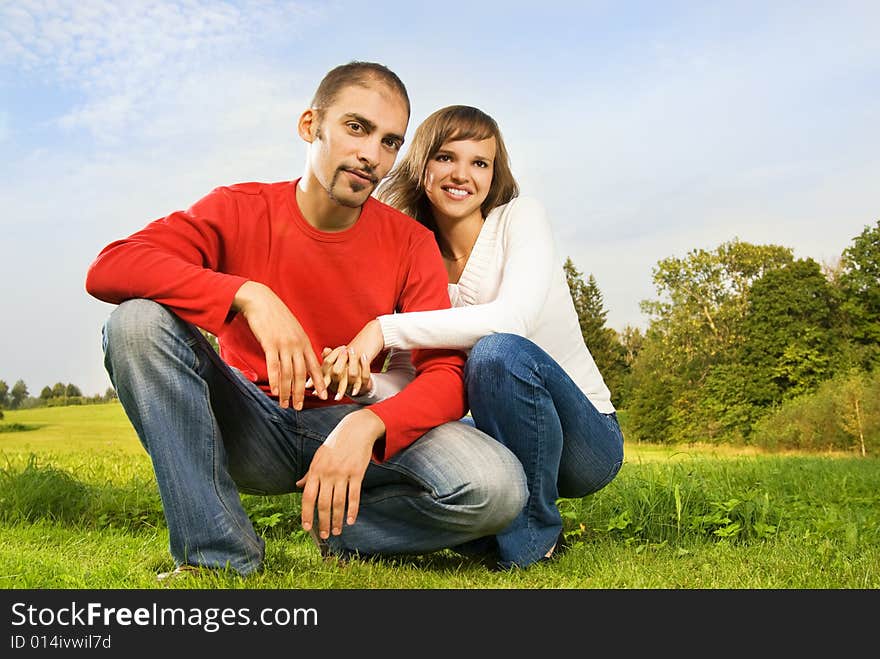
(740, 337)
(18, 396)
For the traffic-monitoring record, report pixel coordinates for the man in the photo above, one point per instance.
(276, 271)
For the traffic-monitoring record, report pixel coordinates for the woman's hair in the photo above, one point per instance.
(404, 189)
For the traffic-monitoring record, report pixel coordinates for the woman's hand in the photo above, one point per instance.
(338, 366)
(346, 368)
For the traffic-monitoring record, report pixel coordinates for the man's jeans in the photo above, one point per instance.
(520, 396)
(211, 434)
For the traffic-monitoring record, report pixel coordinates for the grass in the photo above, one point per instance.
(79, 509)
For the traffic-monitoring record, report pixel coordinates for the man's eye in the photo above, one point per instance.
(391, 143)
(355, 127)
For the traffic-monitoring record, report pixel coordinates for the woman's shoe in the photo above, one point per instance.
(558, 550)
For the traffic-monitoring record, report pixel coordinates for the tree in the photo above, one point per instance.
(601, 341)
(695, 328)
(18, 394)
(46, 393)
(704, 296)
(110, 394)
(72, 390)
(791, 333)
(4, 394)
(650, 391)
(58, 390)
(859, 282)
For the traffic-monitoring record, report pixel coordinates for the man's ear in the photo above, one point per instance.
(307, 126)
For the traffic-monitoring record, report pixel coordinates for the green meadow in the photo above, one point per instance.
(79, 508)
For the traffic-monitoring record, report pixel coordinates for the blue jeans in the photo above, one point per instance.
(211, 434)
(520, 396)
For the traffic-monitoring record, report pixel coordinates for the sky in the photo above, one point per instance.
(647, 129)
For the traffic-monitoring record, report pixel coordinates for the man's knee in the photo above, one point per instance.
(136, 324)
(481, 474)
(503, 490)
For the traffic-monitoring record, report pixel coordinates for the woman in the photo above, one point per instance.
(531, 382)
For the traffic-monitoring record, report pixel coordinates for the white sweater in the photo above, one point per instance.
(514, 282)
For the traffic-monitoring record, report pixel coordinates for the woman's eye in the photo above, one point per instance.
(481, 163)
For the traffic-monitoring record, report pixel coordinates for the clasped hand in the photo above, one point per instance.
(346, 368)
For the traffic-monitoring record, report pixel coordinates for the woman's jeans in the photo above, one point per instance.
(211, 434)
(520, 396)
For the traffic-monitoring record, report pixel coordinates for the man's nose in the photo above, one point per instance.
(369, 152)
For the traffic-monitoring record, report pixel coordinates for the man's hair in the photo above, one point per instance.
(355, 73)
(404, 189)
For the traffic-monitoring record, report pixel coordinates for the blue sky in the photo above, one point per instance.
(646, 128)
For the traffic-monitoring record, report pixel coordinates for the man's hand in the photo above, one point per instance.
(347, 367)
(289, 355)
(337, 471)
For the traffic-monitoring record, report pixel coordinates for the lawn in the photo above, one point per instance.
(79, 509)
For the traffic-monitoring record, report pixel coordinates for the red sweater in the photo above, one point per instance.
(194, 262)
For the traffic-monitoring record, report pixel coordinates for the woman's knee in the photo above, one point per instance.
(494, 348)
(496, 356)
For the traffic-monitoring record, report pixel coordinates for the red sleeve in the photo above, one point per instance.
(175, 261)
(437, 394)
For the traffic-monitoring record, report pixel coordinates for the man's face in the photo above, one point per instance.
(355, 141)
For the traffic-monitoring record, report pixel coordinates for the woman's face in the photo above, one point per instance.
(458, 177)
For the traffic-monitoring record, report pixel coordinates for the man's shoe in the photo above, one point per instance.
(180, 570)
(324, 548)
(321, 544)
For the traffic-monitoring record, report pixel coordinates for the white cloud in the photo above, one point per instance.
(128, 62)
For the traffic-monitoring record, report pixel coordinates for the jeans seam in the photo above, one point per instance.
(539, 465)
(195, 347)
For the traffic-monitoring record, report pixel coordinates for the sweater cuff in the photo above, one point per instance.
(383, 448)
(390, 332)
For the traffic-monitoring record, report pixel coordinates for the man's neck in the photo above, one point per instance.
(320, 211)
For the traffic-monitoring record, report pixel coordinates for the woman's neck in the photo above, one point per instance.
(456, 237)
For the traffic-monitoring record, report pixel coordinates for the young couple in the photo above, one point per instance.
(374, 434)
